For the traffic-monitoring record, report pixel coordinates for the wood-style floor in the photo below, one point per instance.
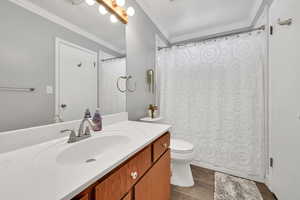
(204, 187)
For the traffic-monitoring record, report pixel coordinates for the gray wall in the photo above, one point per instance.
(140, 44)
(27, 59)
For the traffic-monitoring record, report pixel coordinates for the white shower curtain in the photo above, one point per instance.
(213, 95)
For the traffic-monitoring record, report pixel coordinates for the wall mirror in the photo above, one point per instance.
(58, 58)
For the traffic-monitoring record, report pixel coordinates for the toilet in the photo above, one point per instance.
(182, 154)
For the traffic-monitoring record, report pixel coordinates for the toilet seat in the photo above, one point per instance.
(181, 147)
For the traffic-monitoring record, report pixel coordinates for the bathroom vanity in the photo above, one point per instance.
(127, 160)
(144, 176)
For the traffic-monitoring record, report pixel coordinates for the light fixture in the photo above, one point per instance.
(90, 2)
(120, 2)
(102, 10)
(113, 19)
(112, 7)
(130, 11)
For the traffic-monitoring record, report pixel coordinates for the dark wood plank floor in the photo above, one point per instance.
(204, 187)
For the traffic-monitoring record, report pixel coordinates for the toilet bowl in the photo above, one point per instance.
(182, 154)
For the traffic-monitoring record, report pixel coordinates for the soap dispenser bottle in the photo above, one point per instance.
(97, 120)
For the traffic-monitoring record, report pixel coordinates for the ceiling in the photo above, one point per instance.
(89, 19)
(181, 20)
(178, 20)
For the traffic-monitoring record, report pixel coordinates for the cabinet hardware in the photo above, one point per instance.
(287, 22)
(271, 30)
(271, 162)
(134, 175)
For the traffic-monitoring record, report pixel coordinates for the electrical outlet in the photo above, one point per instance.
(49, 89)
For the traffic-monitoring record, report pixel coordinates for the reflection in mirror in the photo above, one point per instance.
(51, 66)
(111, 68)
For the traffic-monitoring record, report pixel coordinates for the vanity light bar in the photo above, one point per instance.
(113, 8)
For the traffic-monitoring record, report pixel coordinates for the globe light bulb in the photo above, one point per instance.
(102, 10)
(113, 19)
(120, 2)
(130, 11)
(90, 2)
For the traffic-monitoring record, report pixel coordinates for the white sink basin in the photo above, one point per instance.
(90, 149)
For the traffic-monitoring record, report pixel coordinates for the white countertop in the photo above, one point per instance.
(149, 119)
(32, 173)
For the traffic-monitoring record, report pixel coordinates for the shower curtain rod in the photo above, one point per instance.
(263, 27)
(110, 59)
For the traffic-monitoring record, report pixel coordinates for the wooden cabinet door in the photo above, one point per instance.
(160, 146)
(114, 187)
(138, 166)
(85, 197)
(119, 182)
(128, 196)
(155, 185)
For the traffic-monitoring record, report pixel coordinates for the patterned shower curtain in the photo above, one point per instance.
(213, 95)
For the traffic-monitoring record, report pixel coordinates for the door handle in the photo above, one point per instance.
(63, 105)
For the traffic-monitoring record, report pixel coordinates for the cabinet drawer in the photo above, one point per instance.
(160, 146)
(116, 185)
(138, 165)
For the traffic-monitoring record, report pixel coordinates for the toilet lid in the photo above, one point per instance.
(181, 146)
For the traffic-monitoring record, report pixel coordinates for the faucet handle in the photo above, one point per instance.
(72, 137)
(87, 114)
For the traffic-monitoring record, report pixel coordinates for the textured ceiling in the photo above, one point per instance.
(186, 19)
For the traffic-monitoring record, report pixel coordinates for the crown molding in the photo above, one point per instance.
(210, 32)
(260, 10)
(68, 25)
(249, 23)
(256, 12)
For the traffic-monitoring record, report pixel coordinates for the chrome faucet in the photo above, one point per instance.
(83, 131)
(91, 125)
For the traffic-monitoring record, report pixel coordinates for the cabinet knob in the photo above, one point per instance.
(134, 175)
(165, 145)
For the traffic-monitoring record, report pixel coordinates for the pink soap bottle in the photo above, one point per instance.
(97, 120)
